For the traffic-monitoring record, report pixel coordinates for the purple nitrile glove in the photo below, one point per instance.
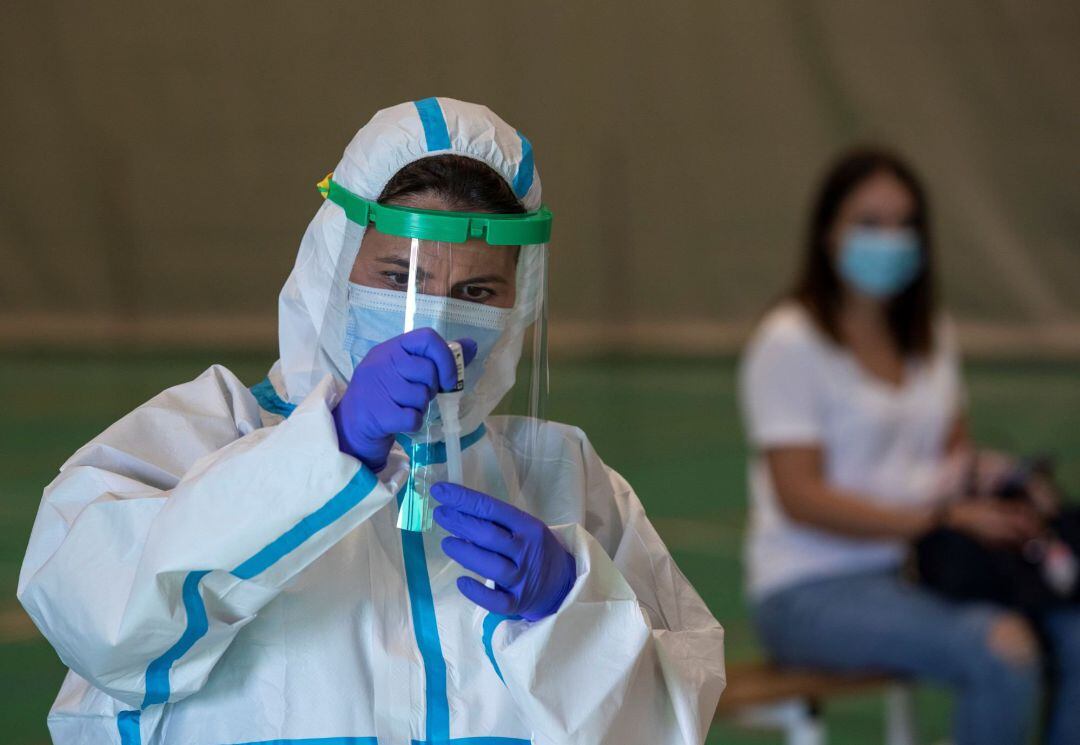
(390, 391)
(532, 571)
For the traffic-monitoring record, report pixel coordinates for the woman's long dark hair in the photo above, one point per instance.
(818, 288)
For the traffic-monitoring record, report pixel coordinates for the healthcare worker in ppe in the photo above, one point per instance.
(361, 549)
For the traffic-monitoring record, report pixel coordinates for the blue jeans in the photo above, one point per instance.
(879, 622)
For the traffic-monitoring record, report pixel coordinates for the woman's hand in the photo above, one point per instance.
(995, 522)
(390, 391)
(532, 571)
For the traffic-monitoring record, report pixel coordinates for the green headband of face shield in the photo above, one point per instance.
(432, 225)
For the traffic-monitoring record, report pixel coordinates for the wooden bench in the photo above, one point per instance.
(764, 696)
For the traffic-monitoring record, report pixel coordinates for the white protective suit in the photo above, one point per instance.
(214, 571)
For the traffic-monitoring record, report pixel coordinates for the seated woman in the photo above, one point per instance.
(226, 565)
(854, 402)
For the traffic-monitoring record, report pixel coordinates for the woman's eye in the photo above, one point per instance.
(396, 280)
(476, 293)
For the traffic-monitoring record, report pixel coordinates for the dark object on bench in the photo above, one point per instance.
(958, 566)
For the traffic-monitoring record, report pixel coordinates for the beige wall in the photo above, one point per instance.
(159, 158)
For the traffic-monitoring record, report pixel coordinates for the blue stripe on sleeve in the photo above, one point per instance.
(269, 399)
(362, 482)
(318, 741)
(474, 741)
(157, 674)
(491, 622)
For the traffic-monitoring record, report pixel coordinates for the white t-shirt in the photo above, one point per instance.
(884, 442)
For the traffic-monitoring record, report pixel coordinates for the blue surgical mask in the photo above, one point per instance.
(376, 315)
(879, 262)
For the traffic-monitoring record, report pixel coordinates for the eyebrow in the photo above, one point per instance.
(394, 261)
(400, 263)
(485, 278)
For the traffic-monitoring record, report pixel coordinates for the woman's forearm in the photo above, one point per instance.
(837, 511)
(806, 497)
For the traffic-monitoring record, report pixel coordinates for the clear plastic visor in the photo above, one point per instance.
(400, 276)
(489, 298)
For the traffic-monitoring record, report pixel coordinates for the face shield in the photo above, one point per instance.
(477, 277)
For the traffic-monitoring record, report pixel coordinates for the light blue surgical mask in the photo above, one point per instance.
(879, 262)
(376, 315)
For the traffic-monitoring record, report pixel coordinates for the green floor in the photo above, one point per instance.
(669, 426)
